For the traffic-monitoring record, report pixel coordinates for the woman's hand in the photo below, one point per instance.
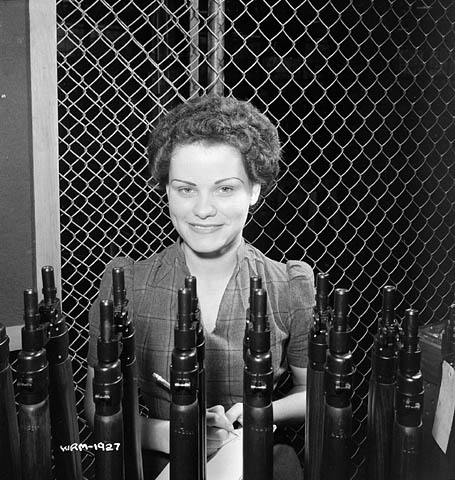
(235, 413)
(218, 428)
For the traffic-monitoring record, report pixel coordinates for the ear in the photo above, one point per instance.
(255, 191)
(167, 189)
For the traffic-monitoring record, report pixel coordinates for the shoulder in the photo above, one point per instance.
(291, 282)
(291, 270)
(140, 271)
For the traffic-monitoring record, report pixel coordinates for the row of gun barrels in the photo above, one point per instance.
(31, 435)
(45, 418)
(39, 439)
(395, 396)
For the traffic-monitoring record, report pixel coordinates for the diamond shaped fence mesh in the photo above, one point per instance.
(363, 94)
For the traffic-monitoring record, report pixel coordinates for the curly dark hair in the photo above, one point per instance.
(217, 120)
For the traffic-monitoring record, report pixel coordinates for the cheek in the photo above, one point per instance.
(176, 205)
(236, 210)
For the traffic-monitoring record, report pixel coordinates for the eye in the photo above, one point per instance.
(226, 189)
(186, 190)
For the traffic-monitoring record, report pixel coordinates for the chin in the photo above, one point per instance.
(209, 247)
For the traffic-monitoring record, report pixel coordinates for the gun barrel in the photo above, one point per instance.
(409, 395)
(32, 384)
(336, 446)
(339, 374)
(184, 425)
(184, 317)
(407, 452)
(64, 424)
(317, 354)
(255, 284)
(382, 390)
(9, 432)
(379, 429)
(257, 395)
(322, 291)
(107, 395)
(259, 331)
(62, 399)
(191, 283)
(184, 409)
(31, 314)
(130, 399)
(108, 432)
(388, 304)
(314, 424)
(49, 290)
(118, 286)
(258, 442)
(35, 440)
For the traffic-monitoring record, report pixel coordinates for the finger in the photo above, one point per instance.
(235, 413)
(219, 409)
(216, 436)
(219, 421)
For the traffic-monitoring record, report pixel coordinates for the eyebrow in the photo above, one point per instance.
(227, 179)
(183, 181)
(222, 180)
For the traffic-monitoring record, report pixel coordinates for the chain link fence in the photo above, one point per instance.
(363, 94)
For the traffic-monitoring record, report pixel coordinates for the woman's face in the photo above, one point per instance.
(209, 196)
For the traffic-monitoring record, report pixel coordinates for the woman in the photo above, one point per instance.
(214, 157)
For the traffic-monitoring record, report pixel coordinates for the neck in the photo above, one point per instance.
(211, 265)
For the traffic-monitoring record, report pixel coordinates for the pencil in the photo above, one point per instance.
(161, 382)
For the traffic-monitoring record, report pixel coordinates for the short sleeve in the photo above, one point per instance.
(105, 293)
(302, 299)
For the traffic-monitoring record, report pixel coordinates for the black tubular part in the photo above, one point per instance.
(387, 341)
(31, 314)
(191, 284)
(32, 365)
(257, 394)
(58, 344)
(33, 333)
(108, 381)
(388, 305)
(108, 343)
(184, 309)
(410, 354)
(322, 292)
(259, 312)
(409, 392)
(184, 332)
(118, 287)
(259, 331)
(51, 317)
(255, 283)
(106, 320)
(317, 336)
(49, 290)
(339, 367)
(339, 333)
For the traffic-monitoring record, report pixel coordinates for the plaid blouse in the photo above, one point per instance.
(152, 288)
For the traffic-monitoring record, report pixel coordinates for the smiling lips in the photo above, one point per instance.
(204, 228)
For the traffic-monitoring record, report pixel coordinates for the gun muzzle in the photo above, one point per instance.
(388, 305)
(322, 292)
(49, 290)
(118, 287)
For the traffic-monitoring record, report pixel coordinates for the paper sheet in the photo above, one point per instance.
(226, 464)
(445, 408)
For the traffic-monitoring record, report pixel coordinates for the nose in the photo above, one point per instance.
(204, 206)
